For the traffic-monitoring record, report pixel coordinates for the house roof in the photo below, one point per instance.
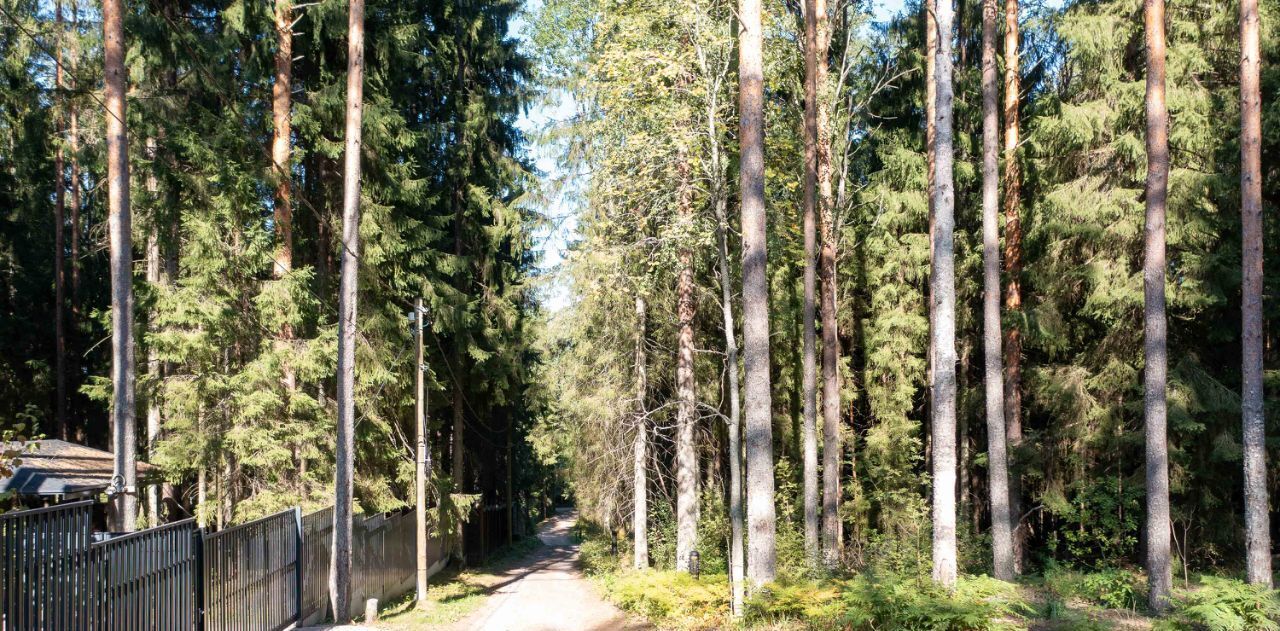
(58, 467)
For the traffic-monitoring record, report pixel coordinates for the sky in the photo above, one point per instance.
(553, 241)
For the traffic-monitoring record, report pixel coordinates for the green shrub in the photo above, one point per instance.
(1221, 604)
(672, 599)
(596, 557)
(892, 604)
(1114, 588)
(819, 604)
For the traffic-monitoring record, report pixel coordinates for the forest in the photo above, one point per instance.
(921, 316)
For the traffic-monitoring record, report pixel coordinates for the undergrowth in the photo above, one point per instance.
(1221, 604)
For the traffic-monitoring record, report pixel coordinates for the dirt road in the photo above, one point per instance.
(547, 592)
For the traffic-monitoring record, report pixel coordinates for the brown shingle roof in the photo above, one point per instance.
(58, 467)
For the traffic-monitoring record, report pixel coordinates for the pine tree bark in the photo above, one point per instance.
(1013, 274)
(686, 411)
(993, 379)
(762, 556)
(73, 141)
(640, 480)
(124, 509)
(155, 371)
(944, 347)
(930, 157)
(1256, 518)
(281, 103)
(282, 211)
(809, 353)
(340, 570)
(832, 450)
(59, 246)
(1159, 562)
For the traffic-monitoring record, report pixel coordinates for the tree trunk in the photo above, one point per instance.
(73, 141)
(281, 94)
(944, 345)
(124, 510)
(1256, 519)
(640, 488)
(59, 229)
(1013, 274)
(458, 454)
(809, 354)
(832, 540)
(736, 561)
(686, 411)
(282, 219)
(762, 561)
(155, 371)
(340, 571)
(930, 157)
(1159, 567)
(719, 190)
(993, 373)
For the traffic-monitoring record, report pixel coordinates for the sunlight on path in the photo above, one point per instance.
(547, 592)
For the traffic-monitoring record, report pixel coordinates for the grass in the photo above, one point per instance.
(454, 594)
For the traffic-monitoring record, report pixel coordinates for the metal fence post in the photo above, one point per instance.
(199, 578)
(297, 566)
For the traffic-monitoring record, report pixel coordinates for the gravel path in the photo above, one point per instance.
(547, 592)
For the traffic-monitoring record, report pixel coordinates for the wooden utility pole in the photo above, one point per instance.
(124, 509)
(424, 454)
(1257, 527)
(1155, 344)
(340, 570)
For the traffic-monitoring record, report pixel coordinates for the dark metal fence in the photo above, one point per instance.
(317, 546)
(383, 557)
(43, 557)
(251, 578)
(265, 575)
(146, 580)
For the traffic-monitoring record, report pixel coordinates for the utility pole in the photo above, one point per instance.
(424, 455)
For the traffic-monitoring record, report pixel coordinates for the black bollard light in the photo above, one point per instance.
(695, 563)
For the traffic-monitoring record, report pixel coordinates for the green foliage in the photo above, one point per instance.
(671, 599)
(1112, 588)
(891, 603)
(1221, 604)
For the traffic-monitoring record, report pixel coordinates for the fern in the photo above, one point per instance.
(1222, 604)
